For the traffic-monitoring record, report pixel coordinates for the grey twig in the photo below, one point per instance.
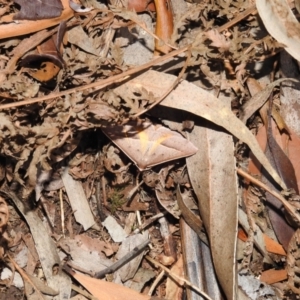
(125, 259)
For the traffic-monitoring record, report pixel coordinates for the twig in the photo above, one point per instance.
(249, 11)
(129, 256)
(103, 188)
(82, 270)
(149, 221)
(177, 278)
(25, 277)
(156, 282)
(62, 213)
(99, 202)
(291, 209)
(172, 87)
(98, 85)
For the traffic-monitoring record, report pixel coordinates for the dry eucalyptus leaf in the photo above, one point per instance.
(108, 290)
(196, 100)
(281, 23)
(78, 200)
(38, 9)
(149, 145)
(115, 230)
(213, 177)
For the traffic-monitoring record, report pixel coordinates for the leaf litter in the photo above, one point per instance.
(141, 212)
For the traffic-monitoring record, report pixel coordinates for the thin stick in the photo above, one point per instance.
(249, 11)
(62, 213)
(83, 292)
(171, 88)
(25, 277)
(291, 209)
(149, 221)
(177, 278)
(126, 258)
(98, 85)
(82, 270)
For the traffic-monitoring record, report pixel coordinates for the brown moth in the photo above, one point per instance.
(148, 145)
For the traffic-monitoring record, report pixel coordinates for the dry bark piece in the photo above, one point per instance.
(38, 9)
(115, 230)
(4, 214)
(289, 106)
(174, 290)
(78, 200)
(164, 25)
(198, 264)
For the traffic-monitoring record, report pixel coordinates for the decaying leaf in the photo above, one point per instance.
(149, 145)
(107, 290)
